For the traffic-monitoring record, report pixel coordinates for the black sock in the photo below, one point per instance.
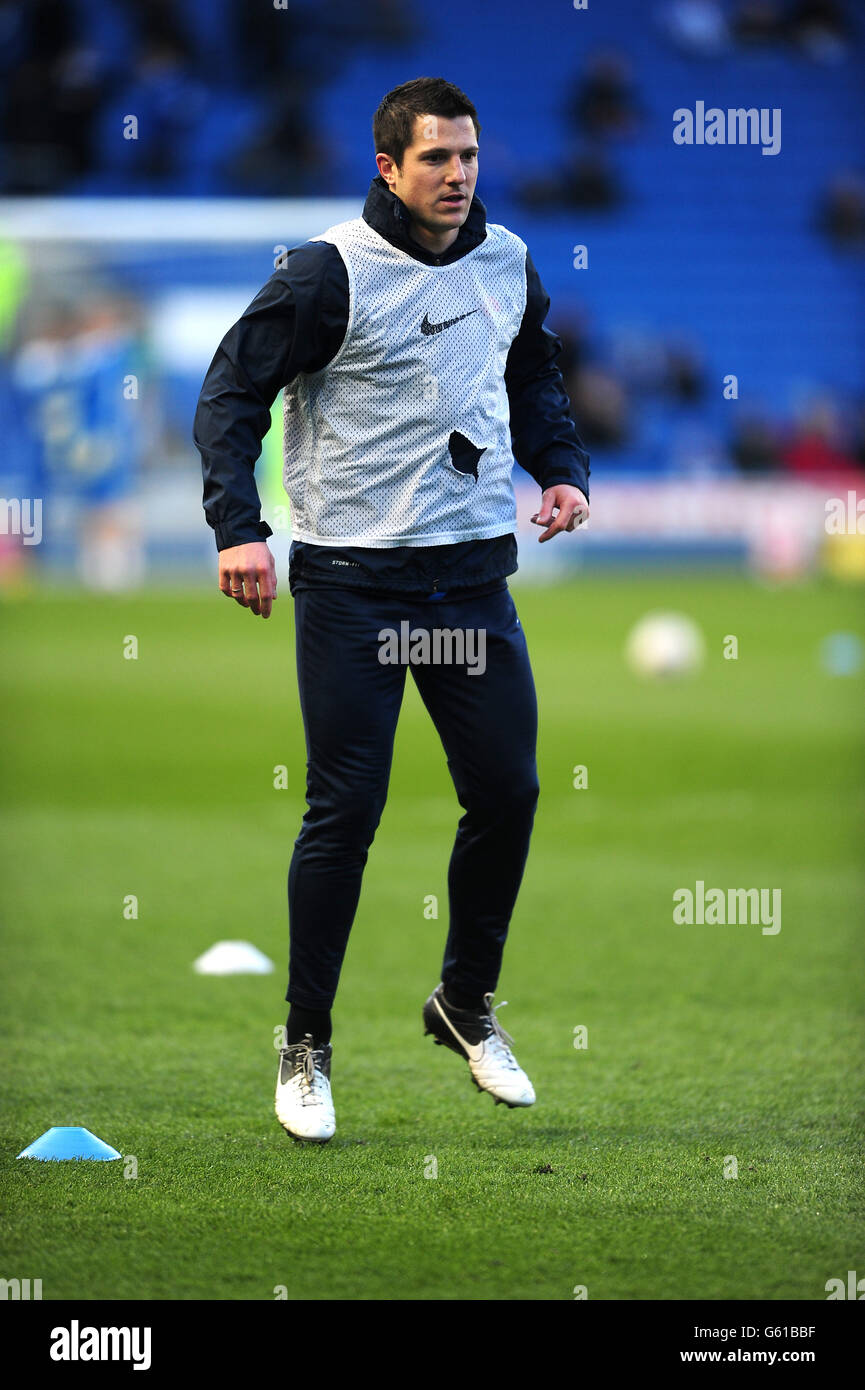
(301, 1021)
(470, 1003)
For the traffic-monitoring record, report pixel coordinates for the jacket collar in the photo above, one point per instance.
(388, 215)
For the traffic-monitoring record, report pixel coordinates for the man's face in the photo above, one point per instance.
(438, 176)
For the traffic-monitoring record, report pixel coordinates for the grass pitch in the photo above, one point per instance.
(154, 777)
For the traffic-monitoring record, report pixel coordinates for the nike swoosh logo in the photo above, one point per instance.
(474, 1050)
(427, 327)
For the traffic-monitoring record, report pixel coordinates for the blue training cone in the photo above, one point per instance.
(68, 1141)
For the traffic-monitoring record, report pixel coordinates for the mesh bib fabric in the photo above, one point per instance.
(403, 438)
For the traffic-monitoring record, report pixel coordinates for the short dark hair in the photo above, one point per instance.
(394, 121)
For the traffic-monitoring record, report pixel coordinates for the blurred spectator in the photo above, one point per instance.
(649, 365)
(78, 376)
(18, 461)
(695, 450)
(757, 22)
(275, 46)
(755, 447)
(285, 158)
(684, 374)
(14, 283)
(820, 448)
(638, 356)
(600, 405)
(14, 34)
(572, 332)
(604, 103)
(50, 100)
(698, 27)
(841, 215)
(168, 102)
(585, 180)
(159, 24)
(820, 28)
(239, 99)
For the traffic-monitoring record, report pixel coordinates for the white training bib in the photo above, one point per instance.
(404, 438)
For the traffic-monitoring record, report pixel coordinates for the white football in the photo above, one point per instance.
(665, 644)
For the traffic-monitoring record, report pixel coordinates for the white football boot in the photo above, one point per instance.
(303, 1105)
(481, 1039)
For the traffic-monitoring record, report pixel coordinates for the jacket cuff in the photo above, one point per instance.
(228, 535)
(558, 476)
(565, 470)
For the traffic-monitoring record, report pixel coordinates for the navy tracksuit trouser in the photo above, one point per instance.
(350, 701)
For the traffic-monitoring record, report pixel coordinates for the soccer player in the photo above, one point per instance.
(411, 345)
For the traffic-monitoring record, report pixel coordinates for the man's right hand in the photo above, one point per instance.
(247, 574)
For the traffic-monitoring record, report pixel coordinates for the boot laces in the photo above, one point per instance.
(306, 1069)
(497, 1039)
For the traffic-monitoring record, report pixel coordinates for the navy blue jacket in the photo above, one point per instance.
(297, 323)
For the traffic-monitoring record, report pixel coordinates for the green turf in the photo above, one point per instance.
(154, 777)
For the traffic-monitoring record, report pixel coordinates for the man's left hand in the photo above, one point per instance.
(571, 505)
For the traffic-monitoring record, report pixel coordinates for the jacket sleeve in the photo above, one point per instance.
(543, 434)
(296, 323)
